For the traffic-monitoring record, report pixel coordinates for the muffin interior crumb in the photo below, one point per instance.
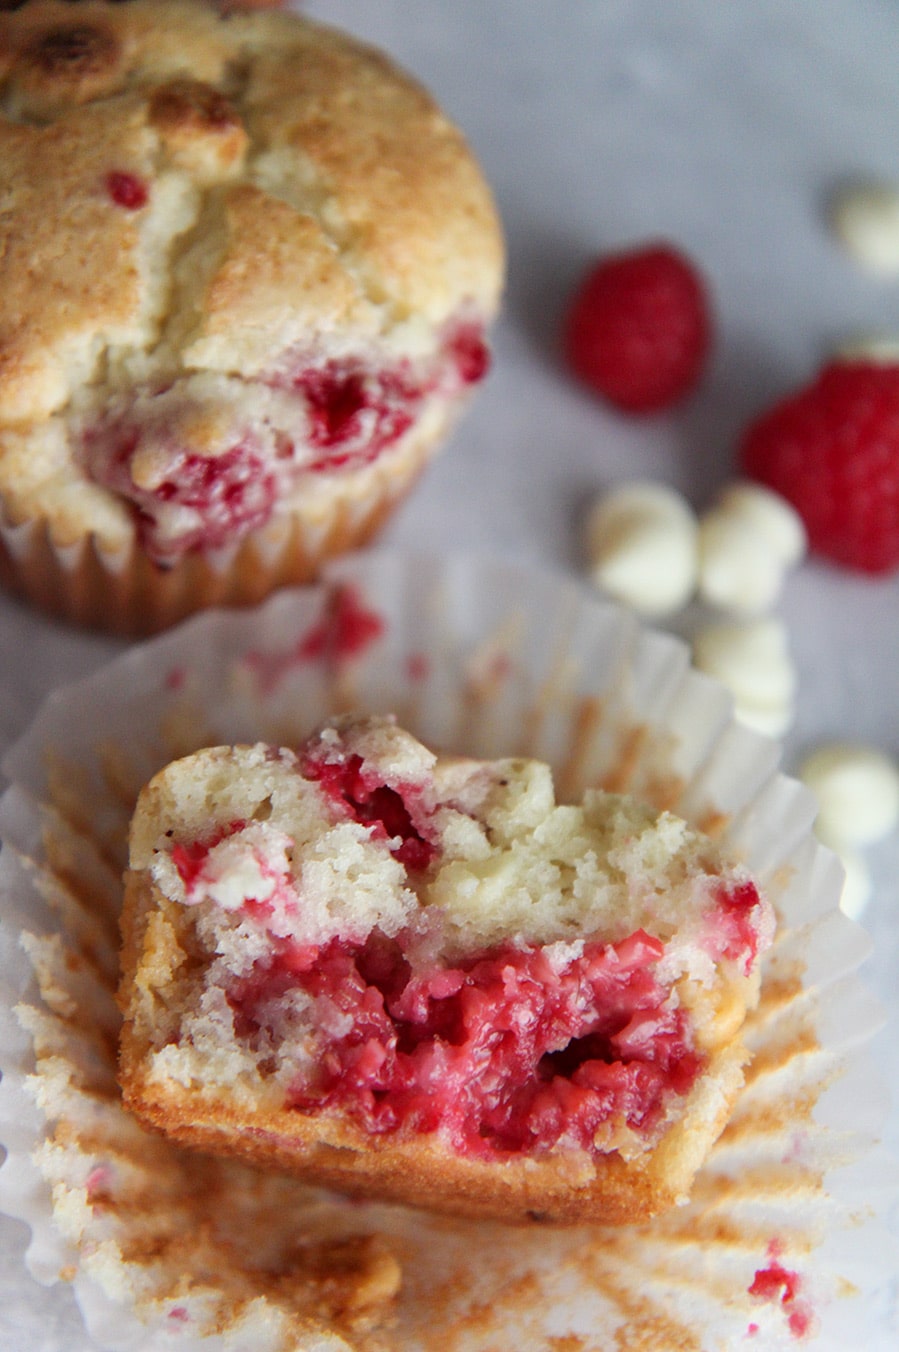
(434, 945)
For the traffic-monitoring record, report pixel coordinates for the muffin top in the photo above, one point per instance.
(186, 191)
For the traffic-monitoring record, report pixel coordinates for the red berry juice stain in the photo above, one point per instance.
(127, 190)
(418, 666)
(346, 629)
(780, 1285)
(98, 1184)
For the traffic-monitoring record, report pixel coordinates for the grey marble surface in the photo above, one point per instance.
(725, 128)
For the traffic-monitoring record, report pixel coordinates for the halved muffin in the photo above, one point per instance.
(421, 978)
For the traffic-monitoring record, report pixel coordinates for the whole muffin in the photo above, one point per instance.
(246, 269)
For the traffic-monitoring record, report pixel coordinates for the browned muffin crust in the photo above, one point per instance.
(197, 204)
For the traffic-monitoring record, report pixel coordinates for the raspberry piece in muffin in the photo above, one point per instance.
(421, 978)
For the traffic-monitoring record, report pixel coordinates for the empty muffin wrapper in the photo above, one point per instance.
(783, 1241)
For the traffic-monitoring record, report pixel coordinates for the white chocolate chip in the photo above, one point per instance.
(736, 571)
(879, 351)
(857, 884)
(772, 720)
(752, 660)
(866, 220)
(642, 546)
(747, 541)
(774, 519)
(857, 788)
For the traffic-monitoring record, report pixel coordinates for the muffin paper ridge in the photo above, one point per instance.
(488, 657)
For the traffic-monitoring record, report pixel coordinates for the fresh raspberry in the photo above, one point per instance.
(639, 328)
(832, 450)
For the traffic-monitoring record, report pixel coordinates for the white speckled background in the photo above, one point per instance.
(601, 122)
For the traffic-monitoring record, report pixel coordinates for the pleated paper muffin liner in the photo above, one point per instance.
(121, 590)
(783, 1241)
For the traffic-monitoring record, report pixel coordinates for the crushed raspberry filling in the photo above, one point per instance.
(353, 415)
(389, 811)
(469, 353)
(204, 503)
(355, 412)
(513, 1049)
(731, 925)
(232, 493)
(351, 412)
(503, 1052)
(190, 858)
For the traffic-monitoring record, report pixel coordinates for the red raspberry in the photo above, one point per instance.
(833, 451)
(639, 328)
(127, 190)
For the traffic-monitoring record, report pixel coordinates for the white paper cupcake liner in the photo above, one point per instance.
(115, 587)
(782, 1242)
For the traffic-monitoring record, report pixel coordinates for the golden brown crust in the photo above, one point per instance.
(196, 122)
(58, 293)
(278, 272)
(204, 204)
(425, 189)
(319, 125)
(68, 62)
(325, 1149)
